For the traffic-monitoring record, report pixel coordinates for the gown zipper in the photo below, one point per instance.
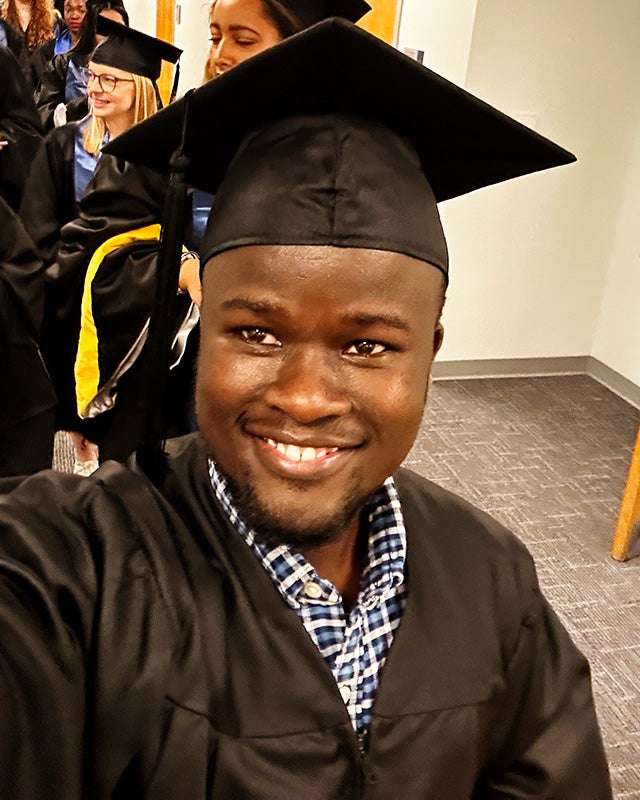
(362, 738)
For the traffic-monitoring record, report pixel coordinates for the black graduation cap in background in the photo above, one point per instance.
(132, 50)
(309, 12)
(330, 137)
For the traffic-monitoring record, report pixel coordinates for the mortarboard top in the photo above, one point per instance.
(333, 67)
(132, 50)
(309, 12)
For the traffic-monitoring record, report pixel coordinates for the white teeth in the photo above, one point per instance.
(294, 453)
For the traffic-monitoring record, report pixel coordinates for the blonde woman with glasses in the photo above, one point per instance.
(121, 86)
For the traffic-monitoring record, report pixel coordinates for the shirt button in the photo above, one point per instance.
(345, 691)
(312, 590)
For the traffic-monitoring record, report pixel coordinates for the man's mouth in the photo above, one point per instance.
(293, 452)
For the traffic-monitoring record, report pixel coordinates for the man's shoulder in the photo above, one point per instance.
(81, 525)
(57, 498)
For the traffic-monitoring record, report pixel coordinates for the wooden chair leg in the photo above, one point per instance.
(626, 541)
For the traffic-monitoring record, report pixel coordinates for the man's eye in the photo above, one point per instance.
(259, 336)
(365, 347)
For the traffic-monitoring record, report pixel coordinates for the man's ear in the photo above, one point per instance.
(438, 338)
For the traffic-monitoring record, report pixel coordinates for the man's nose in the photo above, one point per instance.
(308, 387)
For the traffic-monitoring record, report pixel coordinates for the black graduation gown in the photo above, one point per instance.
(15, 42)
(19, 125)
(51, 88)
(47, 204)
(41, 58)
(27, 400)
(147, 654)
(48, 200)
(121, 198)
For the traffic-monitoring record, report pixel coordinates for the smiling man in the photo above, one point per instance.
(284, 612)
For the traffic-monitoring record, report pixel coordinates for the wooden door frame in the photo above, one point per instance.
(166, 30)
(626, 542)
(383, 20)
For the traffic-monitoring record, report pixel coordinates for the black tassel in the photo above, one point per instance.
(174, 87)
(157, 350)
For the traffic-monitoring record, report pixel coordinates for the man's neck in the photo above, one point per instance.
(342, 563)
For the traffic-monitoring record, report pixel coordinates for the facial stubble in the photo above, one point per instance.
(272, 529)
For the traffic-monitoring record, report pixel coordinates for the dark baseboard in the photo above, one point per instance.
(530, 367)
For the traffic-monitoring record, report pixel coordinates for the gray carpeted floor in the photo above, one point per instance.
(549, 458)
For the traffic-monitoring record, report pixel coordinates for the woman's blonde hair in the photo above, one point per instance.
(145, 103)
(41, 26)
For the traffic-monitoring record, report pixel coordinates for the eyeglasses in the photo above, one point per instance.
(107, 83)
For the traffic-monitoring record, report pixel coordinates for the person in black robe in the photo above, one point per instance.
(35, 22)
(20, 131)
(27, 401)
(63, 168)
(68, 30)
(167, 638)
(61, 94)
(10, 38)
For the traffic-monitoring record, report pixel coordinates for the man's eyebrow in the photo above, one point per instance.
(361, 319)
(247, 304)
(385, 319)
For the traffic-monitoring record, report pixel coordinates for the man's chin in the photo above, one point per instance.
(301, 525)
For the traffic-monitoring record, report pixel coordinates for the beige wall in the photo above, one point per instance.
(142, 15)
(536, 262)
(443, 30)
(617, 340)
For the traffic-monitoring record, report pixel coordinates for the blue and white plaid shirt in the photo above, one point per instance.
(354, 645)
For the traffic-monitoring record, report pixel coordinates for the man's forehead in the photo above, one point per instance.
(326, 270)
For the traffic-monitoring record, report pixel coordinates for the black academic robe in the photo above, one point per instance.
(121, 198)
(48, 200)
(148, 655)
(51, 88)
(41, 57)
(27, 400)
(19, 126)
(15, 42)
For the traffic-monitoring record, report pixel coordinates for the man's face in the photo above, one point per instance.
(313, 373)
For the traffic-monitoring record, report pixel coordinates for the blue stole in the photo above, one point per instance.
(63, 43)
(84, 163)
(75, 85)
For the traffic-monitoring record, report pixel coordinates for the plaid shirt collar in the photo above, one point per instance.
(292, 573)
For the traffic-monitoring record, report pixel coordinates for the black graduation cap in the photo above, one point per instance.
(333, 67)
(132, 50)
(330, 137)
(311, 11)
